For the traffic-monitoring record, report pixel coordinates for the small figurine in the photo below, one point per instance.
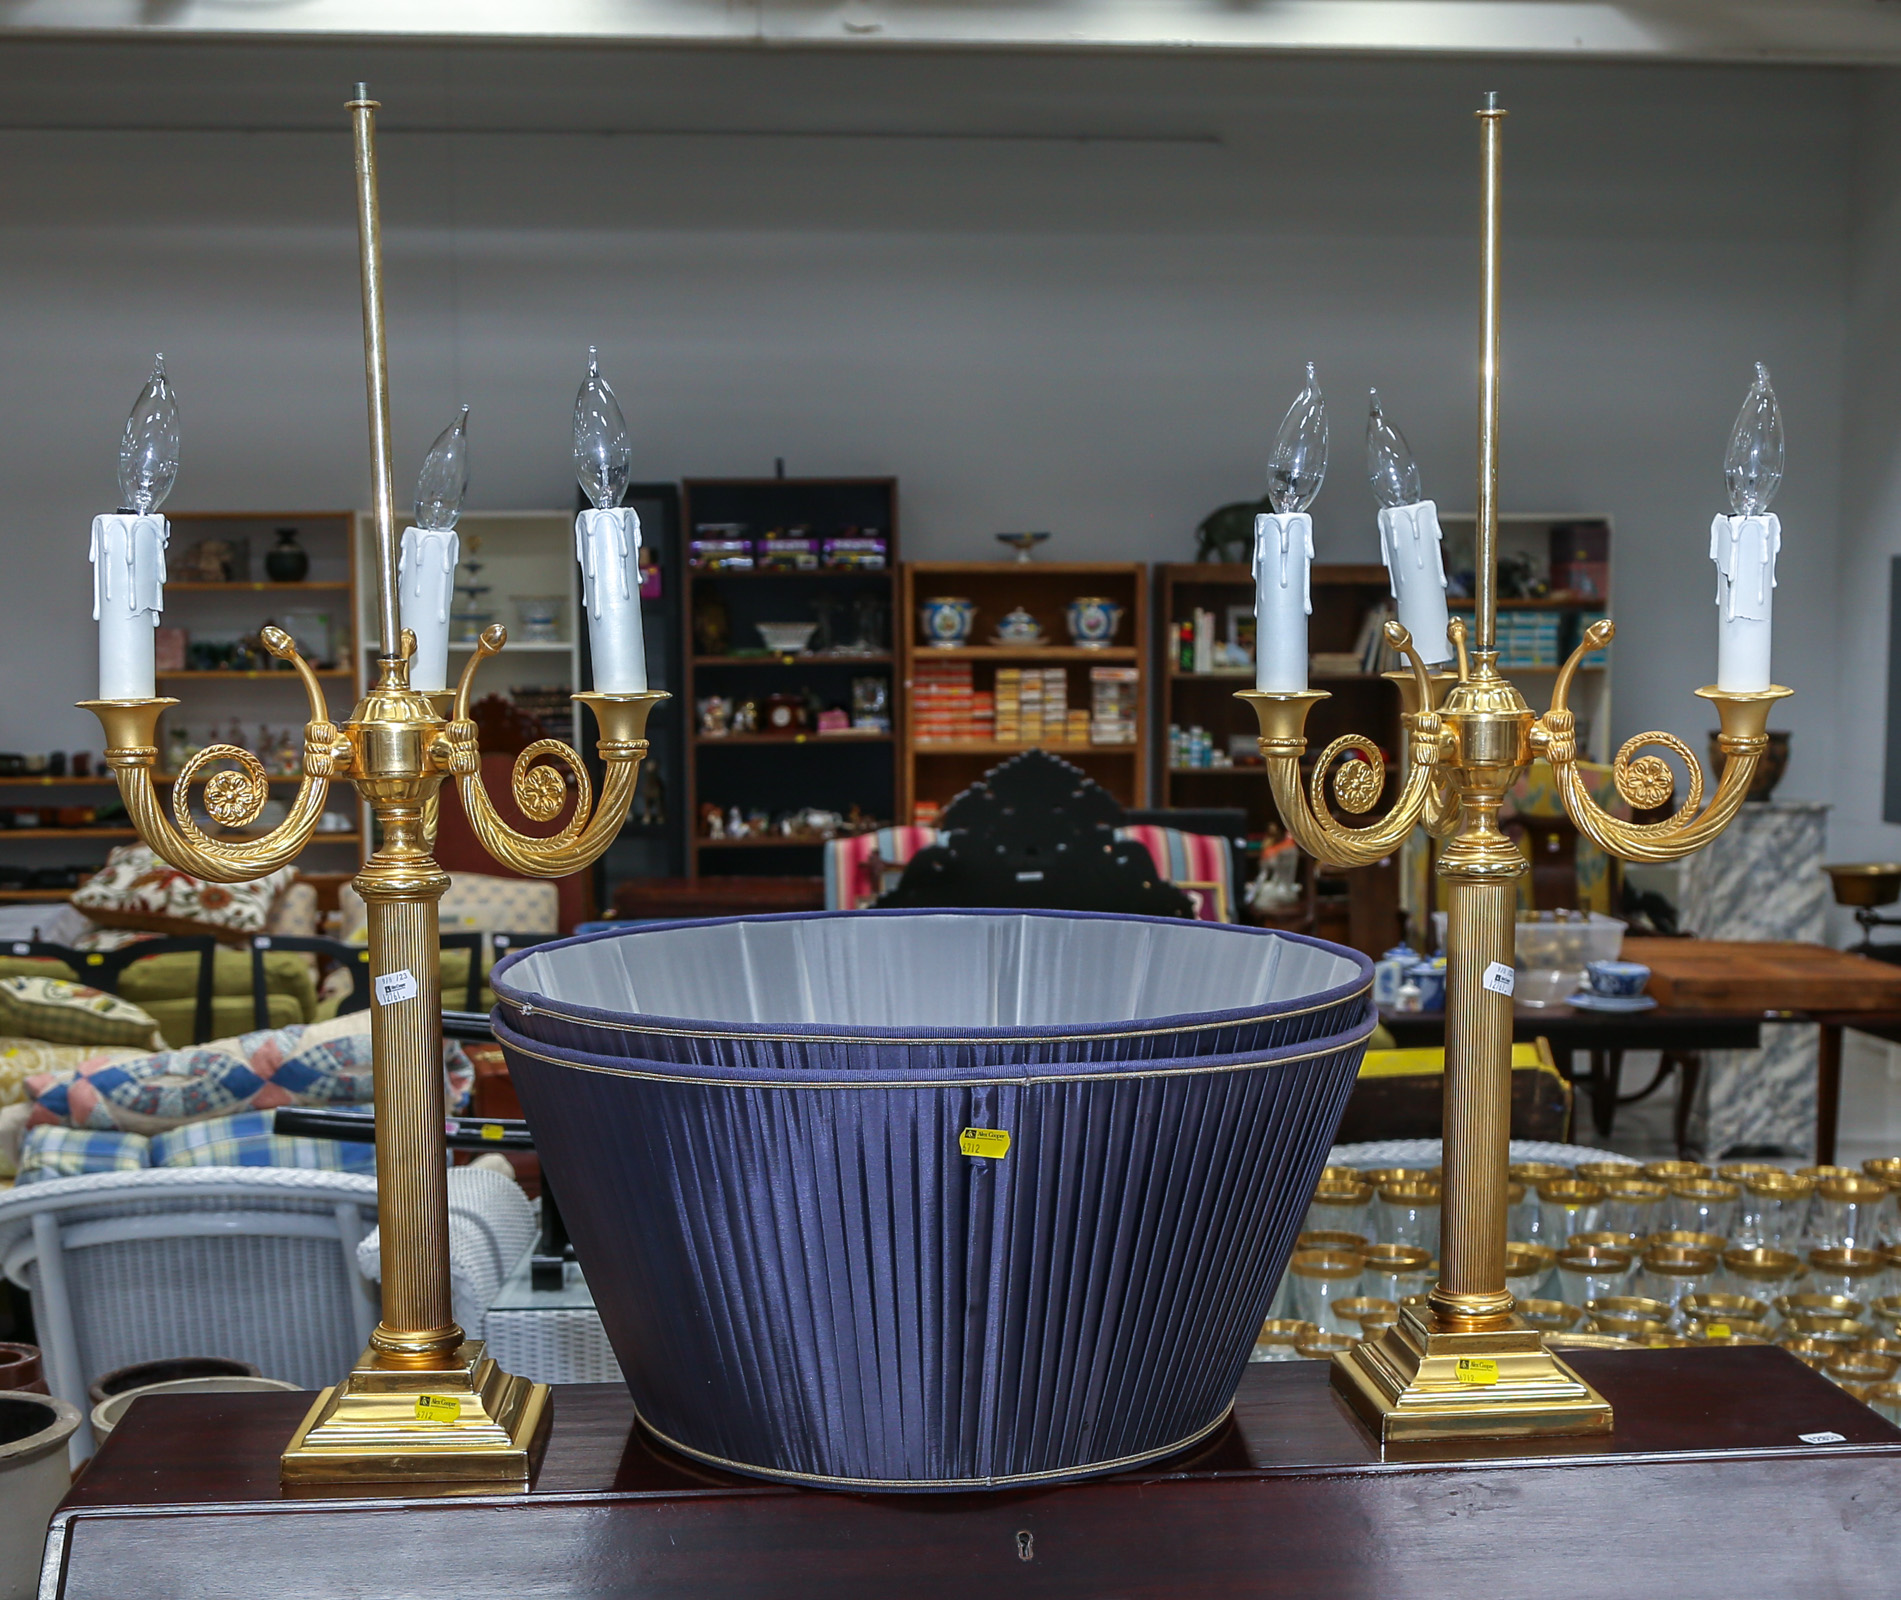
(712, 824)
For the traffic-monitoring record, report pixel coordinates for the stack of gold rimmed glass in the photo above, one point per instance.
(1657, 1254)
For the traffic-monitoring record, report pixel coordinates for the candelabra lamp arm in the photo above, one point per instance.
(538, 785)
(1645, 781)
(232, 798)
(1356, 785)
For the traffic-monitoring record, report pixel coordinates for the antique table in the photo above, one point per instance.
(1732, 1472)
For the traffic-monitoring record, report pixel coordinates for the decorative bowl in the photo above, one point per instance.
(1865, 883)
(788, 638)
(1093, 621)
(946, 621)
(1618, 978)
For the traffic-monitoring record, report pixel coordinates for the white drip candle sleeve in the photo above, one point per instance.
(607, 544)
(1409, 545)
(1744, 550)
(128, 596)
(1283, 599)
(426, 591)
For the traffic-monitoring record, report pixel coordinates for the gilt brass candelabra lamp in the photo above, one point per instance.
(1467, 1366)
(424, 1403)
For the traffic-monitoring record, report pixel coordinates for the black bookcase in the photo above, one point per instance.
(781, 772)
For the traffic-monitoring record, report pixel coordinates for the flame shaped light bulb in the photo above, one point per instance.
(1389, 460)
(603, 454)
(148, 453)
(1753, 463)
(1298, 466)
(444, 478)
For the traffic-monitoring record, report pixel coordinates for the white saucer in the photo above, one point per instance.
(1586, 1000)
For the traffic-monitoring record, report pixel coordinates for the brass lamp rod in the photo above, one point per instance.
(376, 366)
(1492, 128)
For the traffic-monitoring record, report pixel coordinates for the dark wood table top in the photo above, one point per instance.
(1707, 1487)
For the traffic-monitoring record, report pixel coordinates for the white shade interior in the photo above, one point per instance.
(936, 970)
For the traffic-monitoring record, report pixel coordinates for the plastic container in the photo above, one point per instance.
(1554, 950)
(915, 1269)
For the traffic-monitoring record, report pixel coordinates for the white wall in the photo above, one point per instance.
(1871, 480)
(1043, 291)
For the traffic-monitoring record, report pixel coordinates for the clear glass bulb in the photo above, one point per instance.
(148, 454)
(1298, 466)
(603, 454)
(444, 478)
(1389, 460)
(1753, 463)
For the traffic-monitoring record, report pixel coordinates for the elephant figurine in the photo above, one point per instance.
(1227, 533)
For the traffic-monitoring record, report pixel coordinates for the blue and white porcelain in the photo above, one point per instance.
(1093, 621)
(1389, 972)
(1430, 977)
(947, 620)
(1618, 979)
(1019, 628)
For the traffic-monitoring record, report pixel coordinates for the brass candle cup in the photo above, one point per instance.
(1551, 1316)
(1276, 1340)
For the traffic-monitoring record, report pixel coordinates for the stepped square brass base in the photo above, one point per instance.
(460, 1421)
(1420, 1382)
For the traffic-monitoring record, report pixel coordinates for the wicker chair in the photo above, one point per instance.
(256, 1263)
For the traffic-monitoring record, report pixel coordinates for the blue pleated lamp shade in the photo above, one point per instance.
(842, 1272)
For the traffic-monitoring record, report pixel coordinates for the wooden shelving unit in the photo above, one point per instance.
(936, 771)
(780, 773)
(1357, 907)
(210, 700)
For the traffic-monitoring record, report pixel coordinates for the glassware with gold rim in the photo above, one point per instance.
(1671, 1272)
(1760, 1273)
(1320, 1277)
(1704, 1205)
(1568, 1206)
(1774, 1210)
(1407, 1212)
(1842, 1269)
(1398, 1271)
(1340, 1206)
(1275, 1341)
(1586, 1273)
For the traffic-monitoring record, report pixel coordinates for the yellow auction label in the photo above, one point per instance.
(437, 1408)
(1716, 1330)
(994, 1142)
(1477, 1369)
(492, 1130)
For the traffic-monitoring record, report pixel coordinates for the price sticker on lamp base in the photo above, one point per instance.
(438, 1408)
(1479, 1370)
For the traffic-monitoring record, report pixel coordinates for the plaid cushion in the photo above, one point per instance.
(323, 1064)
(72, 1152)
(72, 1013)
(247, 1140)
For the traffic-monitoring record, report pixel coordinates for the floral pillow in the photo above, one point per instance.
(71, 1013)
(136, 889)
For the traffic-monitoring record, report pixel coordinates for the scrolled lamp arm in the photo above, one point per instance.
(1356, 785)
(1645, 780)
(539, 788)
(233, 798)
